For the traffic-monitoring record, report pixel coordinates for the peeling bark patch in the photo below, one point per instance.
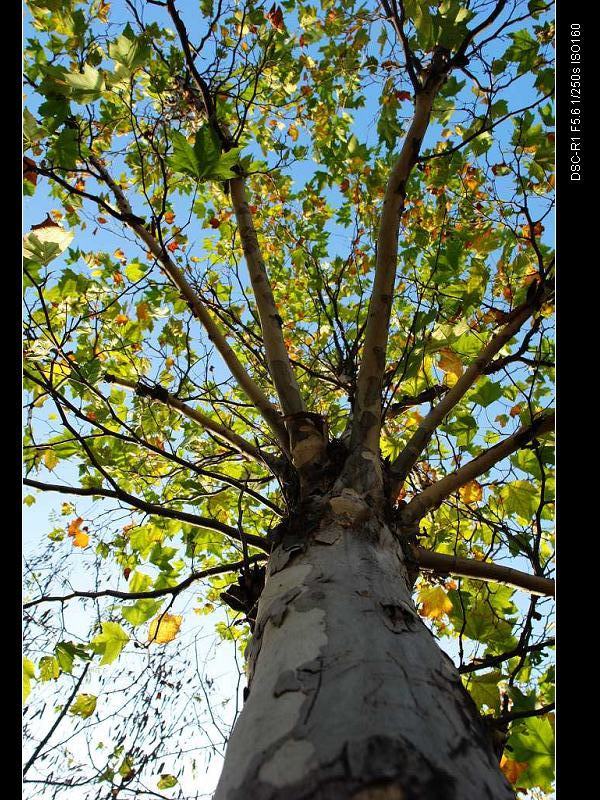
(328, 535)
(289, 764)
(287, 682)
(279, 608)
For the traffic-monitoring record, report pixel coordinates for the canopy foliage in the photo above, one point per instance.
(165, 146)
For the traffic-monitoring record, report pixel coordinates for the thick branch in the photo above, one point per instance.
(278, 360)
(151, 593)
(150, 508)
(420, 438)
(367, 410)
(277, 356)
(482, 571)
(437, 492)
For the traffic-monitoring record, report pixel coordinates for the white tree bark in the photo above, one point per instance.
(349, 694)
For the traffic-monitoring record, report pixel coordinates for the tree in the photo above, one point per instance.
(313, 379)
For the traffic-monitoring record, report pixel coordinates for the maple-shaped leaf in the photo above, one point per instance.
(84, 705)
(434, 602)
(74, 526)
(164, 628)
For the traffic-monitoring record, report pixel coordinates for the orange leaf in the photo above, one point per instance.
(512, 769)
(102, 220)
(172, 246)
(169, 217)
(29, 173)
(74, 526)
(275, 17)
(121, 319)
(451, 364)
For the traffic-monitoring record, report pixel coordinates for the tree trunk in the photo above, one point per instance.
(349, 694)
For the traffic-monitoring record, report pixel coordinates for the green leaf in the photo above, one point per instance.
(486, 393)
(166, 781)
(129, 52)
(532, 741)
(67, 652)
(484, 689)
(86, 86)
(49, 668)
(84, 705)
(110, 642)
(28, 676)
(45, 244)
(203, 159)
(521, 498)
(141, 611)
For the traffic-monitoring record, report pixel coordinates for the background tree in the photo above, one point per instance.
(288, 353)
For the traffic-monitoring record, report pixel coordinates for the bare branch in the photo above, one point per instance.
(493, 661)
(437, 492)
(151, 593)
(150, 508)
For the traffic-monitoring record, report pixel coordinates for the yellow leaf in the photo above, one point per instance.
(512, 769)
(164, 628)
(103, 11)
(434, 602)
(471, 492)
(451, 364)
(50, 459)
(293, 132)
(81, 539)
